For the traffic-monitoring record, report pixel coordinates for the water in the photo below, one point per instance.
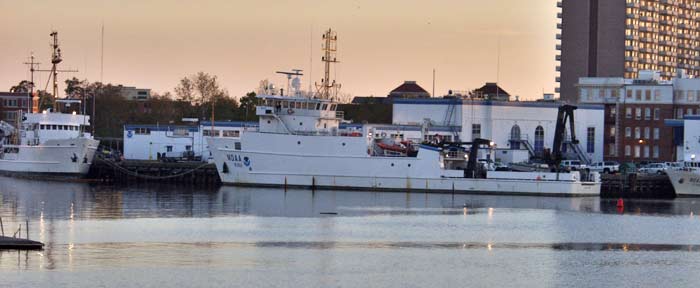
(164, 236)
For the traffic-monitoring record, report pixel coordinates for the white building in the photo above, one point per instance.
(518, 128)
(145, 142)
(686, 137)
(135, 94)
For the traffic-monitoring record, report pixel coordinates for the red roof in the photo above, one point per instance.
(409, 87)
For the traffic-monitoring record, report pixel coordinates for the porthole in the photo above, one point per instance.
(392, 164)
(268, 122)
(298, 142)
(409, 165)
(301, 124)
(343, 144)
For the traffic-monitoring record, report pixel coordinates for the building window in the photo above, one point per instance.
(638, 113)
(646, 151)
(614, 93)
(628, 150)
(628, 132)
(638, 95)
(637, 133)
(209, 132)
(646, 133)
(647, 95)
(657, 111)
(656, 151)
(628, 113)
(613, 132)
(613, 113)
(232, 133)
(611, 149)
(657, 134)
(647, 113)
(188, 147)
(601, 93)
(515, 137)
(637, 151)
(539, 139)
(689, 112)
(657, 95)
(629, 93)
(590, 140)
(169, 148)
(476, 131)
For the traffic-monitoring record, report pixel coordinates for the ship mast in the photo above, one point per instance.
(55, 59)
(31, 64)
(328, 88)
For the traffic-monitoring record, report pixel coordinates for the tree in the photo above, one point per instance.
(200, 90)
(24, 86)
(248, 104)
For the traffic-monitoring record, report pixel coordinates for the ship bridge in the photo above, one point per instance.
(298, 115)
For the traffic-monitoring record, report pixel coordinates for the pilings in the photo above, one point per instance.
(637, 186)
(141, 171)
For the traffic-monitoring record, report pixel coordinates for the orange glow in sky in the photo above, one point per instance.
(154, 43)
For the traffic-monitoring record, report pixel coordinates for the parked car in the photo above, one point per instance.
(654, 168)
(573, 165)
(607, 167)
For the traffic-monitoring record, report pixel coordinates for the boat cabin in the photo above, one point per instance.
(298, 115)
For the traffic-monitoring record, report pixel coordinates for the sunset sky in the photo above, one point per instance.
(154, 43)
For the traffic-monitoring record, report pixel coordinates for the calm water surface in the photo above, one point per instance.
(165, 236)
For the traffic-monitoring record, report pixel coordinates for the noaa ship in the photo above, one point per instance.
(686, 179)
(47, 142)
(299, 143)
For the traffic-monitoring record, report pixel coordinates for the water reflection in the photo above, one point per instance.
(61, 200)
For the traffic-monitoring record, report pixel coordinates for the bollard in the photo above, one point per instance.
(620, 203)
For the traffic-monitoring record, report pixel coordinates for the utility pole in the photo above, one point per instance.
(31, 64)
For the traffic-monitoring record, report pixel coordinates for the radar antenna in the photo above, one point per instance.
(296, 84)
(328, 88)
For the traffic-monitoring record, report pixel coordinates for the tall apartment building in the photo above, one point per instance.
(636, 111)
(619, 38)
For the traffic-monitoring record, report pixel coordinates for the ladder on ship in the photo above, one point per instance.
(449, 114)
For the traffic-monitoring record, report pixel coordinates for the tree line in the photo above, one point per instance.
(196, 96)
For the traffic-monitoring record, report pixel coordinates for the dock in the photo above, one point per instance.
(11, 243)
(141, 171)
(637, 186)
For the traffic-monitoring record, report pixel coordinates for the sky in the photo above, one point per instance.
(381, 43)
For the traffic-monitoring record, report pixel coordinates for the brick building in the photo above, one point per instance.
(635, 111)
(620, 38)
(10, 105)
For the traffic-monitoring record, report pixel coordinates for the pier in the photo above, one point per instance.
(637, 186)
(17, 243)
(140, 171)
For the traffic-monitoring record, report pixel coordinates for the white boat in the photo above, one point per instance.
(48, 143)
(686, 180)
(299, 143)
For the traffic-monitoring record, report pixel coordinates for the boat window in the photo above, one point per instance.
(325, 106)
(237, 145)
(285, 104)
(43, 127)
(298, 105)
(318, 106)
(60, 127)
(333, 107)
(53, 127)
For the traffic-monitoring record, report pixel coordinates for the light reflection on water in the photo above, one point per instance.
(174, 236)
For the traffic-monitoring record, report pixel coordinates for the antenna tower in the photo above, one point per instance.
(31, 64)
(55, 59)
(328, 88)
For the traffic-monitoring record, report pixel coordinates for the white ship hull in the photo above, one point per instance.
(323, 162)
(685, 182)
(68, 157)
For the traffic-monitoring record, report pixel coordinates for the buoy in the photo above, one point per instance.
(620, 203)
